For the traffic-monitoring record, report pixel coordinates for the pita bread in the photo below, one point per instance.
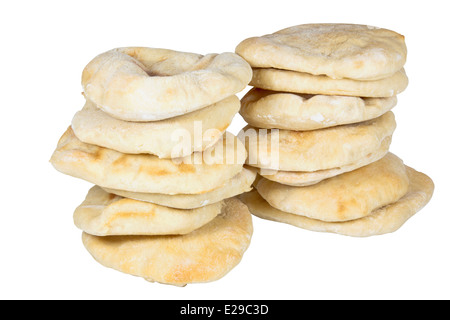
(198, 173)
(300, 112)
(292, 81)
(147, 84)
(301, 179)
(91, 125)
(204, 255)
(106, 214)
(348, 196)
(335, 50)
(315, 150)
(381, 221)
(240, 183)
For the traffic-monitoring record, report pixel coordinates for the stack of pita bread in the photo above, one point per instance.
(329, 89)
(162, 208)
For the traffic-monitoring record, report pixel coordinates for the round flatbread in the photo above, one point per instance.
(198, 173)
(335, 50)
(106, 214)
(203, 128)
(315, 150)
(381, 221)
(204, 255)
(298, 82)
(348, 196)
(147, 84)
(301, 112)
(304, 178)
(242, 182)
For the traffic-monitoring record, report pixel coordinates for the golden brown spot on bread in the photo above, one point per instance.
(209, 190)
(345, 207)
(121, 161)
(130, 215)
(95, 154)
(111, 196)
(186, 168)
(183, 273)
(83, 155)
(341, 211)
(152, 171)
(358, 64)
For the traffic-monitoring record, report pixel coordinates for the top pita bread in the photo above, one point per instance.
(336, 50)
(146, 84)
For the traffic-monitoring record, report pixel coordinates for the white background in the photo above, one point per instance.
(45, 46)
